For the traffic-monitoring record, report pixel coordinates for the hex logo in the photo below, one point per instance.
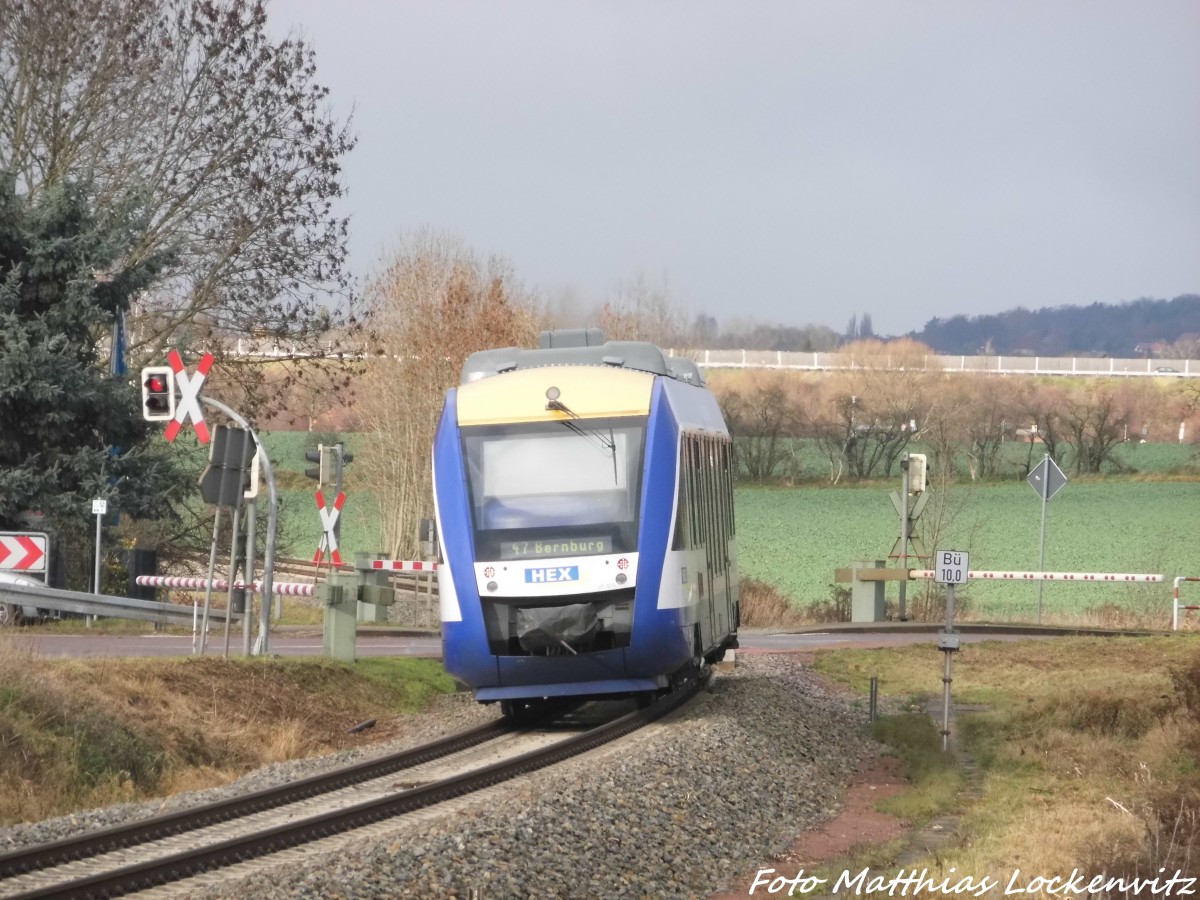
(552, 574)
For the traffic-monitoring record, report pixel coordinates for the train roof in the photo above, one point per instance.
(581, 347)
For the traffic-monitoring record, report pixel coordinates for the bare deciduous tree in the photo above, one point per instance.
(875, 409)
(186, 112)
(643, 311)
(762, 412)
(1095, 421)
(433, 305)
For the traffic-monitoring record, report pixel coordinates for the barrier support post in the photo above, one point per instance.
(339, 593)
(1175, 605)
(370, 612)
(866, 597)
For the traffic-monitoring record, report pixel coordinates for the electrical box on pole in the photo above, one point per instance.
(918, 468)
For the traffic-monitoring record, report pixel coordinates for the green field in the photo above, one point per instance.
(795, 538)
(300, 525)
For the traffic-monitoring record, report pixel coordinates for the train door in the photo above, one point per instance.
(725, 481)
(712, 562)
(693, 471)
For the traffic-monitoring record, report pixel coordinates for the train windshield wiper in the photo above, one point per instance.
(589, 434)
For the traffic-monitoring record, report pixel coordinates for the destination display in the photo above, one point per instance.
(591, 546)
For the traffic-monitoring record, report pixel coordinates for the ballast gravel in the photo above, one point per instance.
(716, 793)
(706, 797)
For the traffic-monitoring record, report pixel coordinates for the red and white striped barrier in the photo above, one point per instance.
(400, 565)
(283, 588)
(1175, 607)
(1046, 576)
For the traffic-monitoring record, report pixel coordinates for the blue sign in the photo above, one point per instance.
(118, 364)
(552, 574)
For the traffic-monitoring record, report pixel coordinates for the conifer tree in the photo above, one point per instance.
(69, 431)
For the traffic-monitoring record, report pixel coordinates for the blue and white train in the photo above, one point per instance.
(584, 500)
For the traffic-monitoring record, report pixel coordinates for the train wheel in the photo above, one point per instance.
(9, 614)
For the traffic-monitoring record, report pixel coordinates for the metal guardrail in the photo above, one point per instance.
(104, 605)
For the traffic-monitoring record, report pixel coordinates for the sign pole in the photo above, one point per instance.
(903, 535)
(233, 561)
(208, 588)
(1042, 552)
(946, 676)
(263, 645)
(1047, 479)
(251, 535)
(951, 568)
(99, 510)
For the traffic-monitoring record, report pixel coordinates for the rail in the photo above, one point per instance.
(93, 843)
(162, 870)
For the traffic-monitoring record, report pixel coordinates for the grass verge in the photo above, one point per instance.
(75, 734)
(1087, 747)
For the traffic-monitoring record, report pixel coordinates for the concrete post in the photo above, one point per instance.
(866, 597)
(372, 608)
(340, 595)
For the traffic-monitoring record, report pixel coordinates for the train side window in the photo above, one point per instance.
(710, 498)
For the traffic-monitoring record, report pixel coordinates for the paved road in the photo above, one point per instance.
(308, 643)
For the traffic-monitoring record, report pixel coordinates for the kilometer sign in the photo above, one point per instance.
(951, 567)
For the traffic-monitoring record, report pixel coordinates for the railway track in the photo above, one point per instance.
(175, 846)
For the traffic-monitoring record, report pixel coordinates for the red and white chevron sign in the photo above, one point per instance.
(23, 551)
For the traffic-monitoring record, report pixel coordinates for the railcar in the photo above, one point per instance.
(584, 500)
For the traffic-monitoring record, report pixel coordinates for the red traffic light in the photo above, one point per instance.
(158, 394)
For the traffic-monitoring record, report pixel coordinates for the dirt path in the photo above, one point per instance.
(858, 824)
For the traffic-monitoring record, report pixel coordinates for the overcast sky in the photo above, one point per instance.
(799, 162)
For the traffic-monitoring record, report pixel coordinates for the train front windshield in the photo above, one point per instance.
(552, 489)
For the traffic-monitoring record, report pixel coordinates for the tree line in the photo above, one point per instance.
(1167, 329)
(864, 420)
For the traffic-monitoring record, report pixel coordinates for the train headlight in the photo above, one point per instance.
(622, 578)
(491, 586)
